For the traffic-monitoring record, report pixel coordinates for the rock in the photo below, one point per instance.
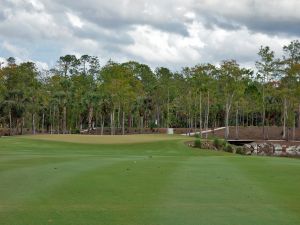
(248, 152)
(262, 153)
(277, 148)
(270, 149)
(260, 147)
(247, 149)
(254, 146)
(291, 150)
(292, 153)
(247, 146)
(277, 153)
(265, 149)
(283, 148)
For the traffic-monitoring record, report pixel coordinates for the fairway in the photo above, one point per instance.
(107, 139)
(141, 180)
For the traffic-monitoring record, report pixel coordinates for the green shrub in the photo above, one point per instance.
(216, 143)
(239, 150)
(219, 144)
(197, 135)
(197, 143)
(228, 148)
(153, 125)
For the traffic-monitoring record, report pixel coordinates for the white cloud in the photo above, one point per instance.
(14, 50)
(41, 65)
(2, 62)
(172, 33)
(157, 46)
(74, 20)
(38, 5)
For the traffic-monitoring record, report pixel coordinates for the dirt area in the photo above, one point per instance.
(245, 133)
(256, 133)
(140, 131)
(97, 139)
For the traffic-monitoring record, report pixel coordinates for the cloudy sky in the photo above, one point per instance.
(172, 33)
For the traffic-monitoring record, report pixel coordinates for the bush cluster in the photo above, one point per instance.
(223, 145)
(239, 150)
(197, 143)
(219, 144)
(228, 148)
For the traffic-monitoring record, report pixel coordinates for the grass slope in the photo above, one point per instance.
(160, 182)
(97, 139)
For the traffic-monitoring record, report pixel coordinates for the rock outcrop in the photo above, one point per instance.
(270, 149)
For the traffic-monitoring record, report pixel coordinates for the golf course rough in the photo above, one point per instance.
(141, 180)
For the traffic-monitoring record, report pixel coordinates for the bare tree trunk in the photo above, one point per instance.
(263, 122)
(17, 126)
(200, 114)
(195, 122)
(43, 122)
(168, 106)
(158, 117)
(299, 116)
(102, 126)
(268, 125)
(207, 115)
(123, 123)
(129, 120)
(294, 127)
(33, 123)
(58, 120)
(119, 116)
(10, 123)
(189, 123)
(76, 122)
(141, 124)
(64, 119)
(112, 123)
(227, 111)
(226, 121)
(263, 112)
(237, 123)
(22, 126)
(52, 121)
(243, 117)
(80, 122)
(90, 118)
(284, 136)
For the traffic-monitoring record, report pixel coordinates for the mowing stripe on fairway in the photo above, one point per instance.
(106, 139)
(154, 183)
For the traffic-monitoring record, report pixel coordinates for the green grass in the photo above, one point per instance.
(157, 182)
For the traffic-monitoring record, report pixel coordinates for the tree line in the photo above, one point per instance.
(79, 94)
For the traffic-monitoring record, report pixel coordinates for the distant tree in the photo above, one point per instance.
(266, 71)
(231, 86)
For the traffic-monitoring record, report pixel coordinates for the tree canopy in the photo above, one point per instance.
(78, 94)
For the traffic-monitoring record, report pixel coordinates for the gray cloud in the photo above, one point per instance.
(170, 33)
(269, 16)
